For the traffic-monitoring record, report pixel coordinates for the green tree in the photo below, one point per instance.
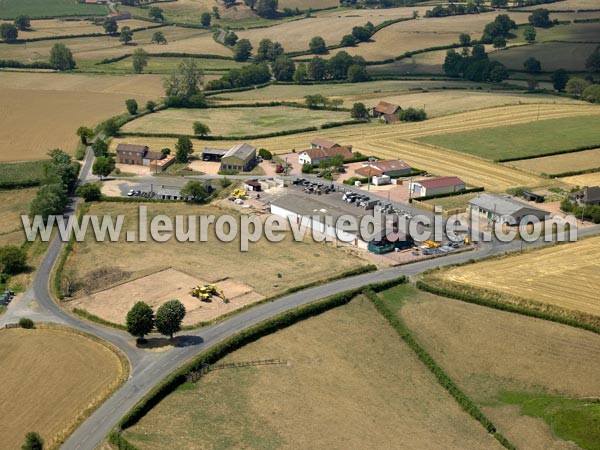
(499, 42)
(201, 129)
(413, 115)
(61, 57)
(576, 86)
(140, 321)
(532, 84)
(110, 25)
(359, 111)
(267, 8)
(169, 318)
(151, 105)
(132, 106)
(185, 81)
(85, 134)
(593, 61)
(22, 23)
(307, 168)
(100, 147)
(159, 38)
(216, 13)
(8, 32)
(183, 149)
(540, 18)
(156, 13)
(205, 19)
(265, 154)
(361, 34)
(357, 74)
(592, 93)
(335, 103)
(464, 39)
(50, 199)
(532, 65)
(230, 39)
(301, 73)
(317, 68)
(139, 60)
(33, 441)
(529, 34)
(89, 192)
(242, 50)
(498, 72)
(313, 101)
(348, 40)
(13, 259)
(453, 64)
(559, 79)
(26, 323)
(110, 127)
(268, 50)
(126, 35)
(317, 45)
(103, 166)
(195, 191)
(283, 68)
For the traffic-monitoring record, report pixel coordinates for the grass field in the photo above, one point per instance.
(50, 391)
(58, 27)
(536, 276)
(350, 382)
(160, 65)
(234, 121)
(569, 5)
(58, 104)
(9, 9)
(569, 162)
(457, 201)
(15, 203)
(268, 268)
(552, 55)
(21, 172)
(517, 141)
(573, 32)
(489, 353)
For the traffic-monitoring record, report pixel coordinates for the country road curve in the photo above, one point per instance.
(149, 368)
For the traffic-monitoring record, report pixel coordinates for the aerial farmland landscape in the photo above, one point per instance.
(323, 224)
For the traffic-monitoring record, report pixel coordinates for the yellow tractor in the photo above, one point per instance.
(206, 292)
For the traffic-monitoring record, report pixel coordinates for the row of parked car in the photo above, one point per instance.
(133, 193)
(313, 187)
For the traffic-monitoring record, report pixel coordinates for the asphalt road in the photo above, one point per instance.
(149, 368)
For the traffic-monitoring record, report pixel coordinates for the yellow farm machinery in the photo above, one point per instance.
(206, 292)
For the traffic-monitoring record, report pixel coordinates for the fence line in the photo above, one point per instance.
(196, 375)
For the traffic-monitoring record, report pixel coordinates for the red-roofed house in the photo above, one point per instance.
(387, 112)
(323, 144)
(316, 155)
(436, 186)
(392, 168)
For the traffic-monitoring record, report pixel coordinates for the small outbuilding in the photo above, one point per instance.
(588, 196)
(242, 158)
(494, 207)
(252, 185)
(436, 186)
(387, 112)
(213, 154)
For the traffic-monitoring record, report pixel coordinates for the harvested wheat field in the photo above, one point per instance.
(396, 39)
(387, 395)
(233, 121)
(588, 179)
(58, 105)
(488, 352)
(563, 275)
(157, 288)
(51, 391)
(268, 268)
(569, 162)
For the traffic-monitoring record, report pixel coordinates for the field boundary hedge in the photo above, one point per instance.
(166, 55)
(219, 350)
(502, 306)
(436, 370)
(571, 173)
(554, 153)
(83, 35)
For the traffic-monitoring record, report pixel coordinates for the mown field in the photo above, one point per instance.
(572, 32)
(517, 141)
(503, 360)
(552, 55)
(42, 111)
(15, 202)
(563, 275)
(234, 121)
(60, 27)
(570, 162)
(590, 179)
(349, 382)
(9, 9)
(160, 65)
(50, 391)
(280, 265)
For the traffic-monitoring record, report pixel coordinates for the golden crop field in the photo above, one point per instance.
(42, 111)
(330, 25)
(563, 275)
(58, 27)
(487, 352)
(234, 121)
(334, 392)
(569, 162)
(588, 179)
(51, 391)
(411, 35)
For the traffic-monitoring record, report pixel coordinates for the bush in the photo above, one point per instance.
(26, 323)
(307, 168)
(13, 259)
(413, 115)
(265, 154)
(89, 192)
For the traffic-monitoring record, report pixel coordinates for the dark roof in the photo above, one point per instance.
(241, 151)
(387, 108)
(154, 155)
(503, 206)
(440, 182)
(252, 183)
(214, 151)
(319, 153)
(590, 194)
(323, 143)
(132, 148)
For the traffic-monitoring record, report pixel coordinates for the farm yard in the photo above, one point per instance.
(9, 9)
(51, 391)
(234, 121)
(58, 104)
(523, 140)
(572, 284)
(557, 164)
(299, 404)
(265, 270)
(490, 353)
